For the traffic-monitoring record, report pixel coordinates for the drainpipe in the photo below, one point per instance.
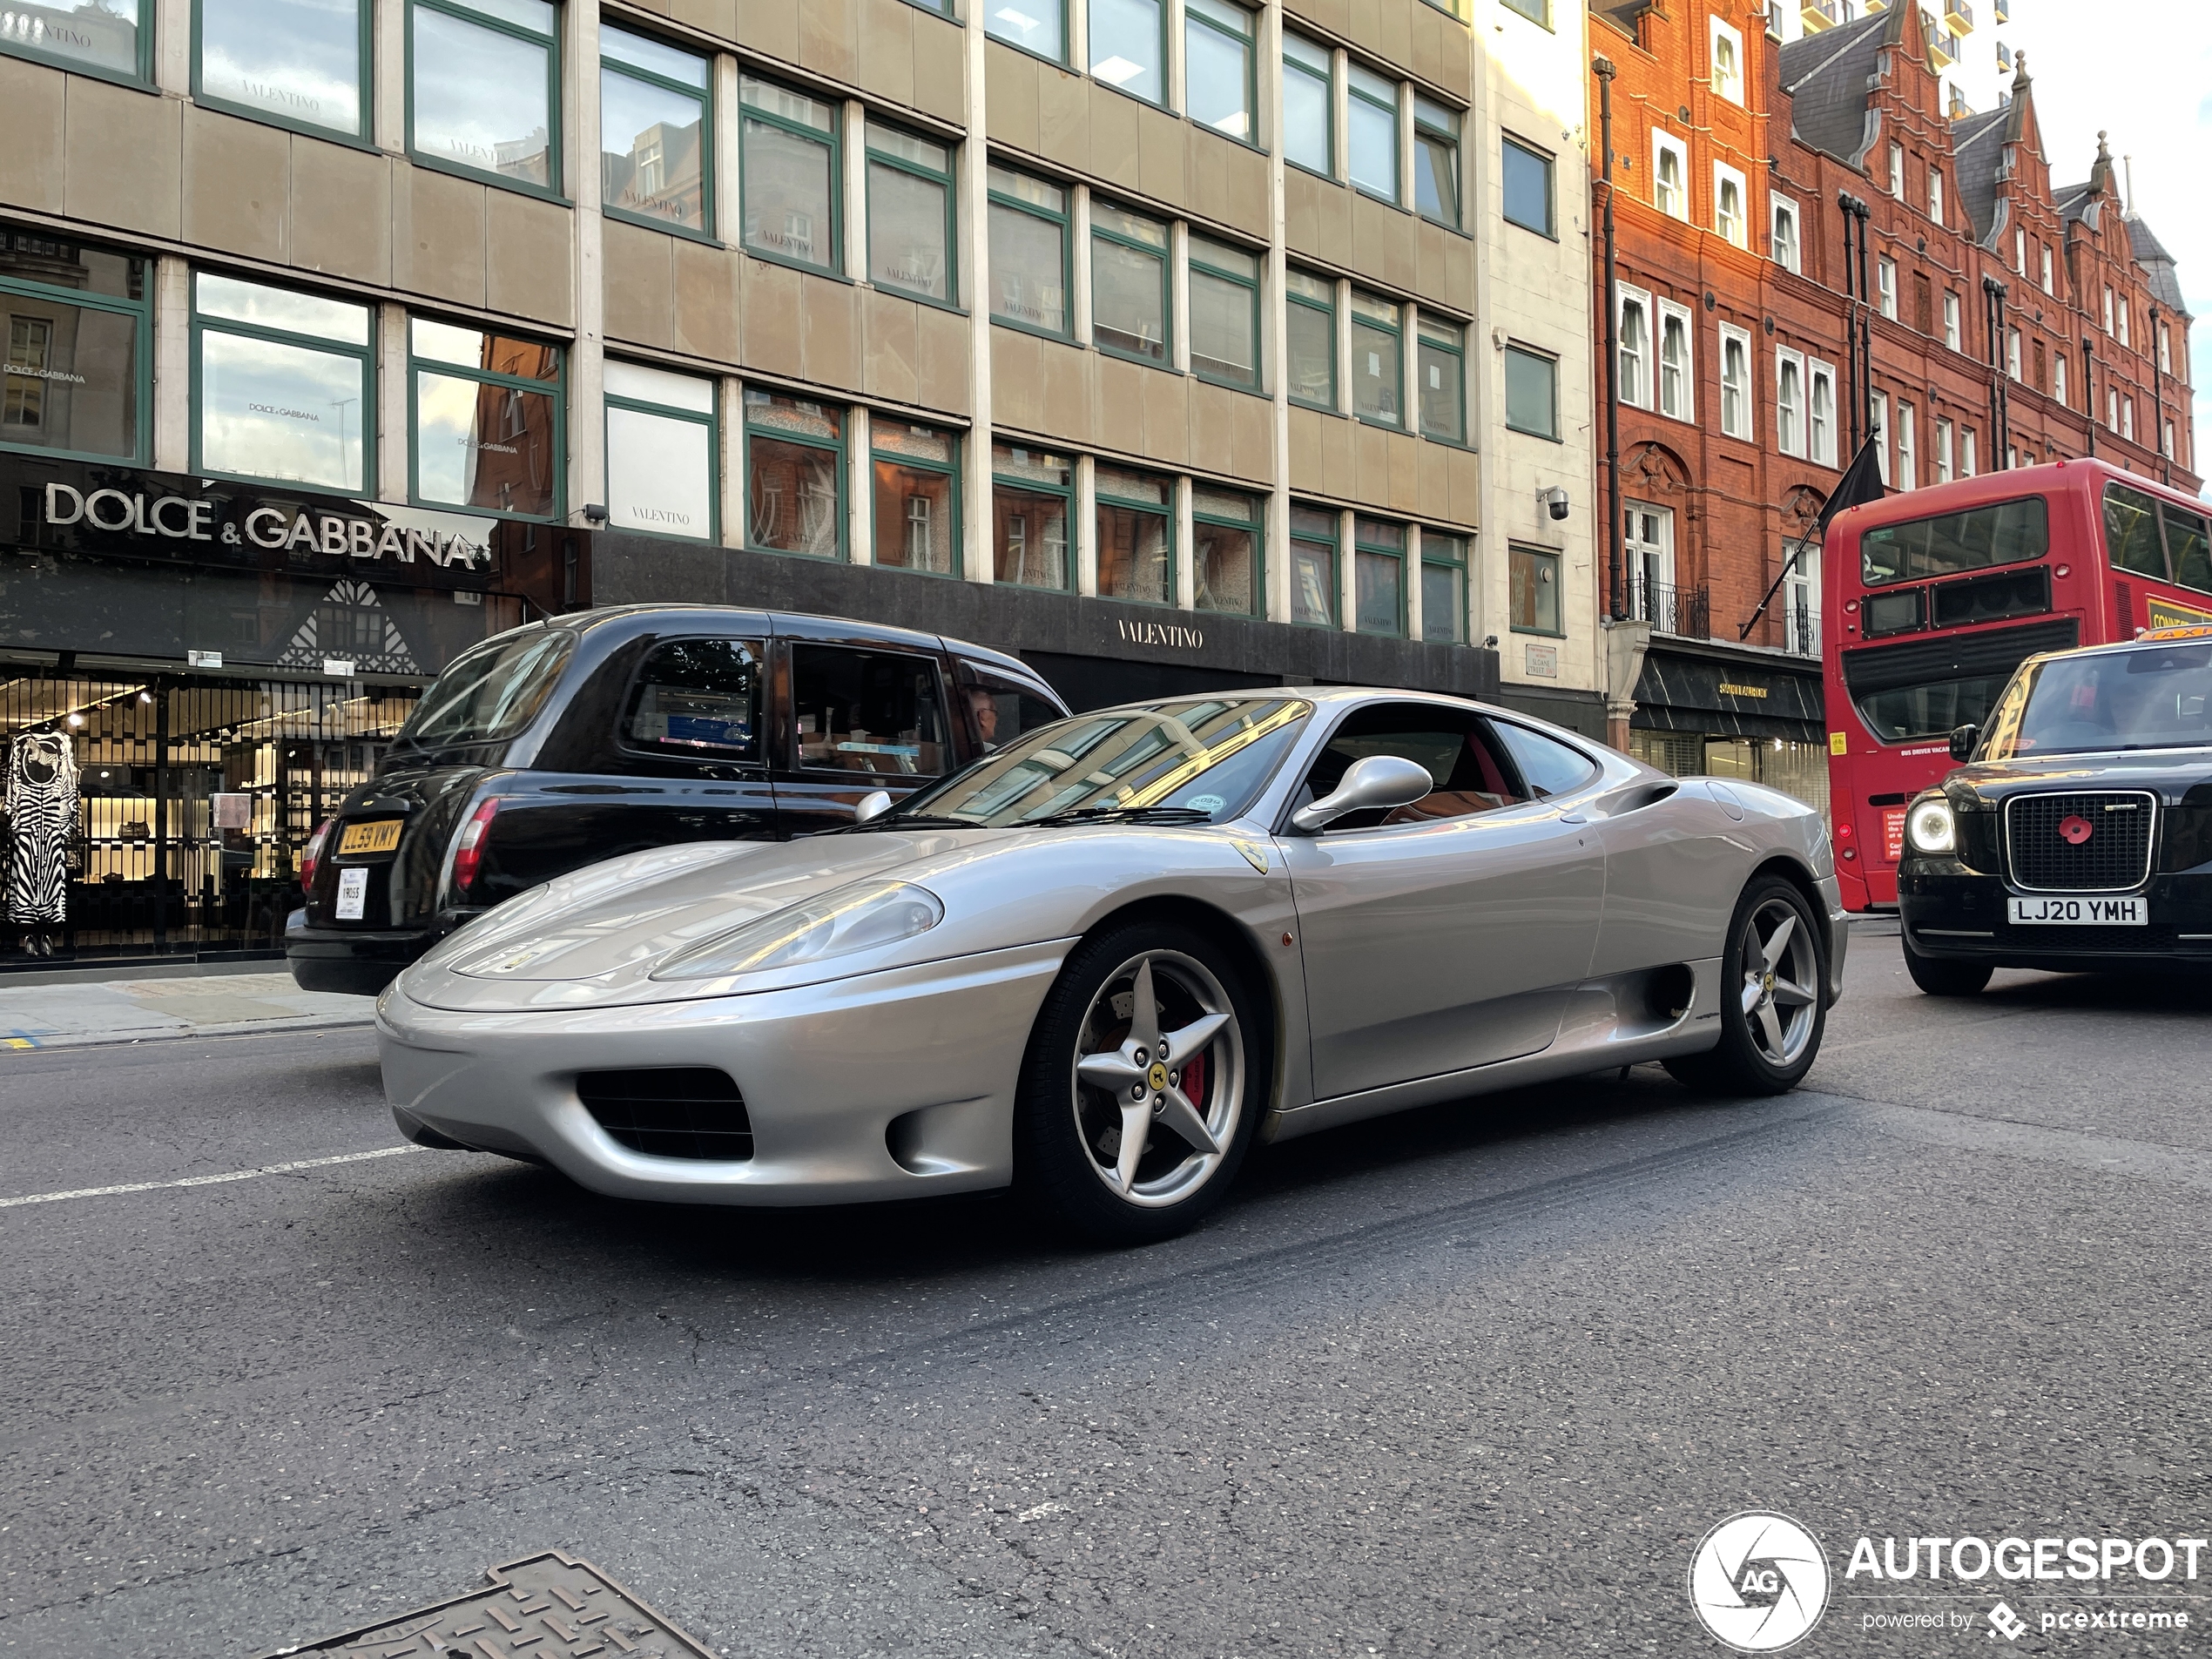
(2158, 404)
(1993, 292)
(1860, 212)
(1615, 556)
(1850, 324)
(2089, 385)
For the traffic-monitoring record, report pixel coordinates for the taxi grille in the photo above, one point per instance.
(2049, 854)
(670, 1111)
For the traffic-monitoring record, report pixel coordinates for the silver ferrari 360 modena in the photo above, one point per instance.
(1102, 960)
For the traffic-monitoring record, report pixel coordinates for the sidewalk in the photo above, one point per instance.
(127, 1010)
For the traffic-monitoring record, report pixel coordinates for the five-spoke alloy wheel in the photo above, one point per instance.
(1773, 1008)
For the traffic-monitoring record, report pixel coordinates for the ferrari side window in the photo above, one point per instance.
(1549, 767)
(1471, 775)
(698, 698)
(875, 712)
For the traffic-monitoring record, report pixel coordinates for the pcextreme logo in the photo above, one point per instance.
(1759, 1582)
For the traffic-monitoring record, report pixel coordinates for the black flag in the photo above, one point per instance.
(1862, 481)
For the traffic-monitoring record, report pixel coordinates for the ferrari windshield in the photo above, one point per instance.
(1192, 760)
(2153, 696)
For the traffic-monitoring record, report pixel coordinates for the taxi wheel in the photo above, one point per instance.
(1771, 1010)
(1940, 978)
(1145, 1079)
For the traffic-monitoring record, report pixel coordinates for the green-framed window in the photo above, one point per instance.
(1308, 105)
(941, 8)
(795, 466)
(1030, 273)
(1379, 576)
(1436, 161)
(1439, 369)
(1377, 359)
(1220, 68)
(917, 496)
(664, 453)
(789, 175)
(1444, 588)
(115, 45)
(283, 386)
(1372, 132)
(1538, 11)
(1129, 304)
(483, 90)
(76, 348)
(1532, 392)
(1312, 365)
(1314, 538)
(486, 416)
(1525, 178)
(1532, 584)
(1033, 502)
(656, 132)
(1135, 515)
(1039, 26)
(298, 64)
(1129, 47)
(1224, 313)
(912, 237)
(1228, 537)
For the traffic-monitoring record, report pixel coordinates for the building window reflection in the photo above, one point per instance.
(662, 448)
(282, 385)
(656, 132)
(794, 475)
(73, 325)
(486, 421)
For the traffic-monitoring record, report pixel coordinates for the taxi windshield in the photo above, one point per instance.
(2153, 696)
(1192, 760)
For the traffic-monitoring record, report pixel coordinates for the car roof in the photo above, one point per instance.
(632, 618)
(2193, 636)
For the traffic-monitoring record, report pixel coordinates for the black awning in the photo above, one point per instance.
(1733, 699)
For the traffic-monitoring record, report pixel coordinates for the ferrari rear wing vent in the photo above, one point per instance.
(670, 1111)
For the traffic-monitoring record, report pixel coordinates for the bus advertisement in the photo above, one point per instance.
(1938, 595)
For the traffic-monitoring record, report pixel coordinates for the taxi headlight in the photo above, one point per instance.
(859, 917)
(1929, 827)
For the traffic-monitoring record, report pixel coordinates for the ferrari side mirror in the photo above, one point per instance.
(1377, 780)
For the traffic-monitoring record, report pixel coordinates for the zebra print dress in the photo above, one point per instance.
(42, 818)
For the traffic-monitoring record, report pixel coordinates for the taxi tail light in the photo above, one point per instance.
(468, 845)
(313, 856)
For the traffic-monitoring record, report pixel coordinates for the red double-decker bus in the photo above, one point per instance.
(1935, 596)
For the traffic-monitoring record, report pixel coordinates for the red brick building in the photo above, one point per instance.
(1999, 320)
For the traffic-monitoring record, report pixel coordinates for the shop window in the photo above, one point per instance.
(1532, 392)
(1312, 339)
(1129, 284)
(1225, 553)
(488, 420)
(1534, 577)
(296, 63)
(1377, 359)
(911, 237)
(917, 496)
(1128, 46)
(1135, 535)
(879, 712)
(1224, 313)
(656, 132)
(1039, 26)
(1032, 497)
(1379, 576)
(1309, 103)
(1028, 226)
(794, 474)
(1677, 384)
(74, 323)
(283, 387)
(1313, 566)
(116, 44)
(662, 452)
(1218, 67)
(1525, 178)
(1441, 369)
(1436, 161)
(1371, 129)
(700, 698)
(1444, 588)
(485, 88)
(789, 174)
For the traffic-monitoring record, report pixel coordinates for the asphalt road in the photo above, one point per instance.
(1472, 1380)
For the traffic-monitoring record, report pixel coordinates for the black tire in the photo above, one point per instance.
(1741, 1063)
(1938, 977)
(1067, 1132)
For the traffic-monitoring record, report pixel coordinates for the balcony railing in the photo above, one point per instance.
(1944, 49)
(1801, 628)
(1687, 613)
(1959, 14)
(1817, 15)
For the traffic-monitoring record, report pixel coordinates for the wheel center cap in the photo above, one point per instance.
(1766, 985)
(1158, 1076)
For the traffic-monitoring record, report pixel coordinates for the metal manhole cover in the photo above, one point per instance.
(539, 1607)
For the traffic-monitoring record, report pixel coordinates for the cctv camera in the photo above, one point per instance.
(1556, 499)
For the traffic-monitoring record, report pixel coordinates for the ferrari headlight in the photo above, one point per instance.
(860, 917)
(1929, 827)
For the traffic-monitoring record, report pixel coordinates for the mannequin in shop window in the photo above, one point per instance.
(42, 829)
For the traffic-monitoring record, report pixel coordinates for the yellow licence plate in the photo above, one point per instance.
(380, 835)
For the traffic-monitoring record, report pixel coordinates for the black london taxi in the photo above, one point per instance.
(2078, 838)
(581, 737)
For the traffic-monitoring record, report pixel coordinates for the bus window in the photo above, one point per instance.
(2004, 533)
(2187, 542)
(2131, 532)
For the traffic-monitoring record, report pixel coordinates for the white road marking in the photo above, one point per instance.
(207, 1180)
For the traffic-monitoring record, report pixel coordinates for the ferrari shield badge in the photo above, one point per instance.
(1255, 854)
